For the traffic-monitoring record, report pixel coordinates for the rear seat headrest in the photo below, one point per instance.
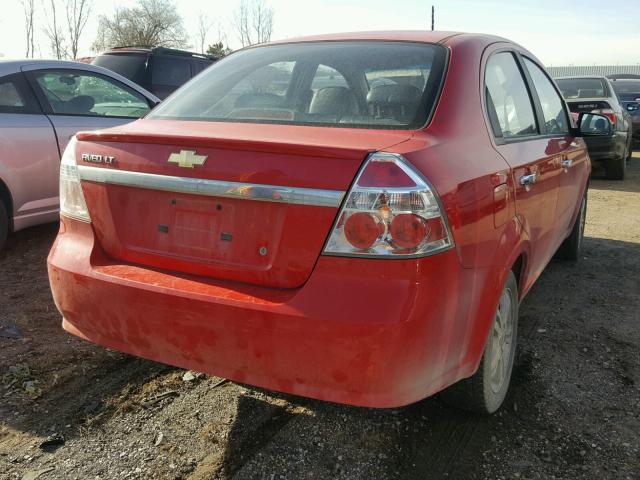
(394, 95)
(258, 100)
(334, 101)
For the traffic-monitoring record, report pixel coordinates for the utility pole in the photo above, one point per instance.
(433, 14)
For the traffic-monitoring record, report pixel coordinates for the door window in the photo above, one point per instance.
(75, 92)
(555, 117)
(508, 100)
(170, 71)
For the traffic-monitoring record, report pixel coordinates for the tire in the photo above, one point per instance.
(616, 168)
(570, 248)
(4, 225)
(485, 391)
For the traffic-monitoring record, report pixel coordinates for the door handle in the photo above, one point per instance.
(567, 163)
(530, 179)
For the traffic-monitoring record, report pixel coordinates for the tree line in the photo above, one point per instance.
(149, 23)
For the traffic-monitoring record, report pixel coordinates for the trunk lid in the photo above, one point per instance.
(258, 210)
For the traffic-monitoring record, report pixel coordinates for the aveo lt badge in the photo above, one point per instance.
(92, 158)
(187, 159)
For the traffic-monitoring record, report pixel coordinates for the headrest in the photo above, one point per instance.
(258, 100)
(334, 101)
(394, 95)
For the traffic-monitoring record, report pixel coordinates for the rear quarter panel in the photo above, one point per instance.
(456, 154)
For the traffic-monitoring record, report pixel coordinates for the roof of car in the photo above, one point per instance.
(427, 36)
(14, 66)
(156, 50)
(586, 77)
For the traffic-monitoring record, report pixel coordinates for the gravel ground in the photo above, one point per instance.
(573, 410)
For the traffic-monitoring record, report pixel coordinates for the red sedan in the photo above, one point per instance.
(353, 218)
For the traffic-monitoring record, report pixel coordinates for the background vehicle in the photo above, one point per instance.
(595, 94)
(42, 105)
(159, 70)
(302, 217)
(628, 92)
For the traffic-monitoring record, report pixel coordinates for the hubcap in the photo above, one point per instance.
(501, 340)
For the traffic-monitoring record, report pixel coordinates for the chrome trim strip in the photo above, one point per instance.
(213, 188)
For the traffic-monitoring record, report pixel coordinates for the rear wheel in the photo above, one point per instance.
(485, 391)
(616, 168)
(570, 248)
(4, 224)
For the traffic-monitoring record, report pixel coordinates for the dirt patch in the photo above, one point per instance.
(573, 411)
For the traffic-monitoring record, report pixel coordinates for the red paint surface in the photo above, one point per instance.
(360, 331)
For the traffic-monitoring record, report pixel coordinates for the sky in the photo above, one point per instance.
(560, 32)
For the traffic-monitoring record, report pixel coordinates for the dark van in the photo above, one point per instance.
(158, 70)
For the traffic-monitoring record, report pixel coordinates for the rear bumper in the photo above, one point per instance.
(605, 147)
(372, 333)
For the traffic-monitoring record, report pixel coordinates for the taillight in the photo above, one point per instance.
(72, 202)
(607, 112)
(390, 211)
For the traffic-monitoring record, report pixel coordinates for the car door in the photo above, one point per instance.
(518, 138)
(29, 159)
(572, 151)
(77, 100)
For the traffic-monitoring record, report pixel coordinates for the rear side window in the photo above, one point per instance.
(508, 100)
(199, 65)
(555, 117)
(15, 96)
(372, 84)
(170, 71)
(129, 65)
(9, 95)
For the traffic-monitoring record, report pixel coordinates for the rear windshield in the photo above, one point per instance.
(371, 84)
(129, 65)
(626, 86)
(582, 87)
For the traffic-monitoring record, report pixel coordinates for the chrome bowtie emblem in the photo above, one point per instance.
(187, 159)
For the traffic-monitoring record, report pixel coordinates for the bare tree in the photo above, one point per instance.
(29, 14)
(152, 23)
(202, 30)
(53, 31)
(78, 12)
(253, 22)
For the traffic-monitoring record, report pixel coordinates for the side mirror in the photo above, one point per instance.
(593, 125)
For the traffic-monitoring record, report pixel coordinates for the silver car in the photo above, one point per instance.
(43, 103)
